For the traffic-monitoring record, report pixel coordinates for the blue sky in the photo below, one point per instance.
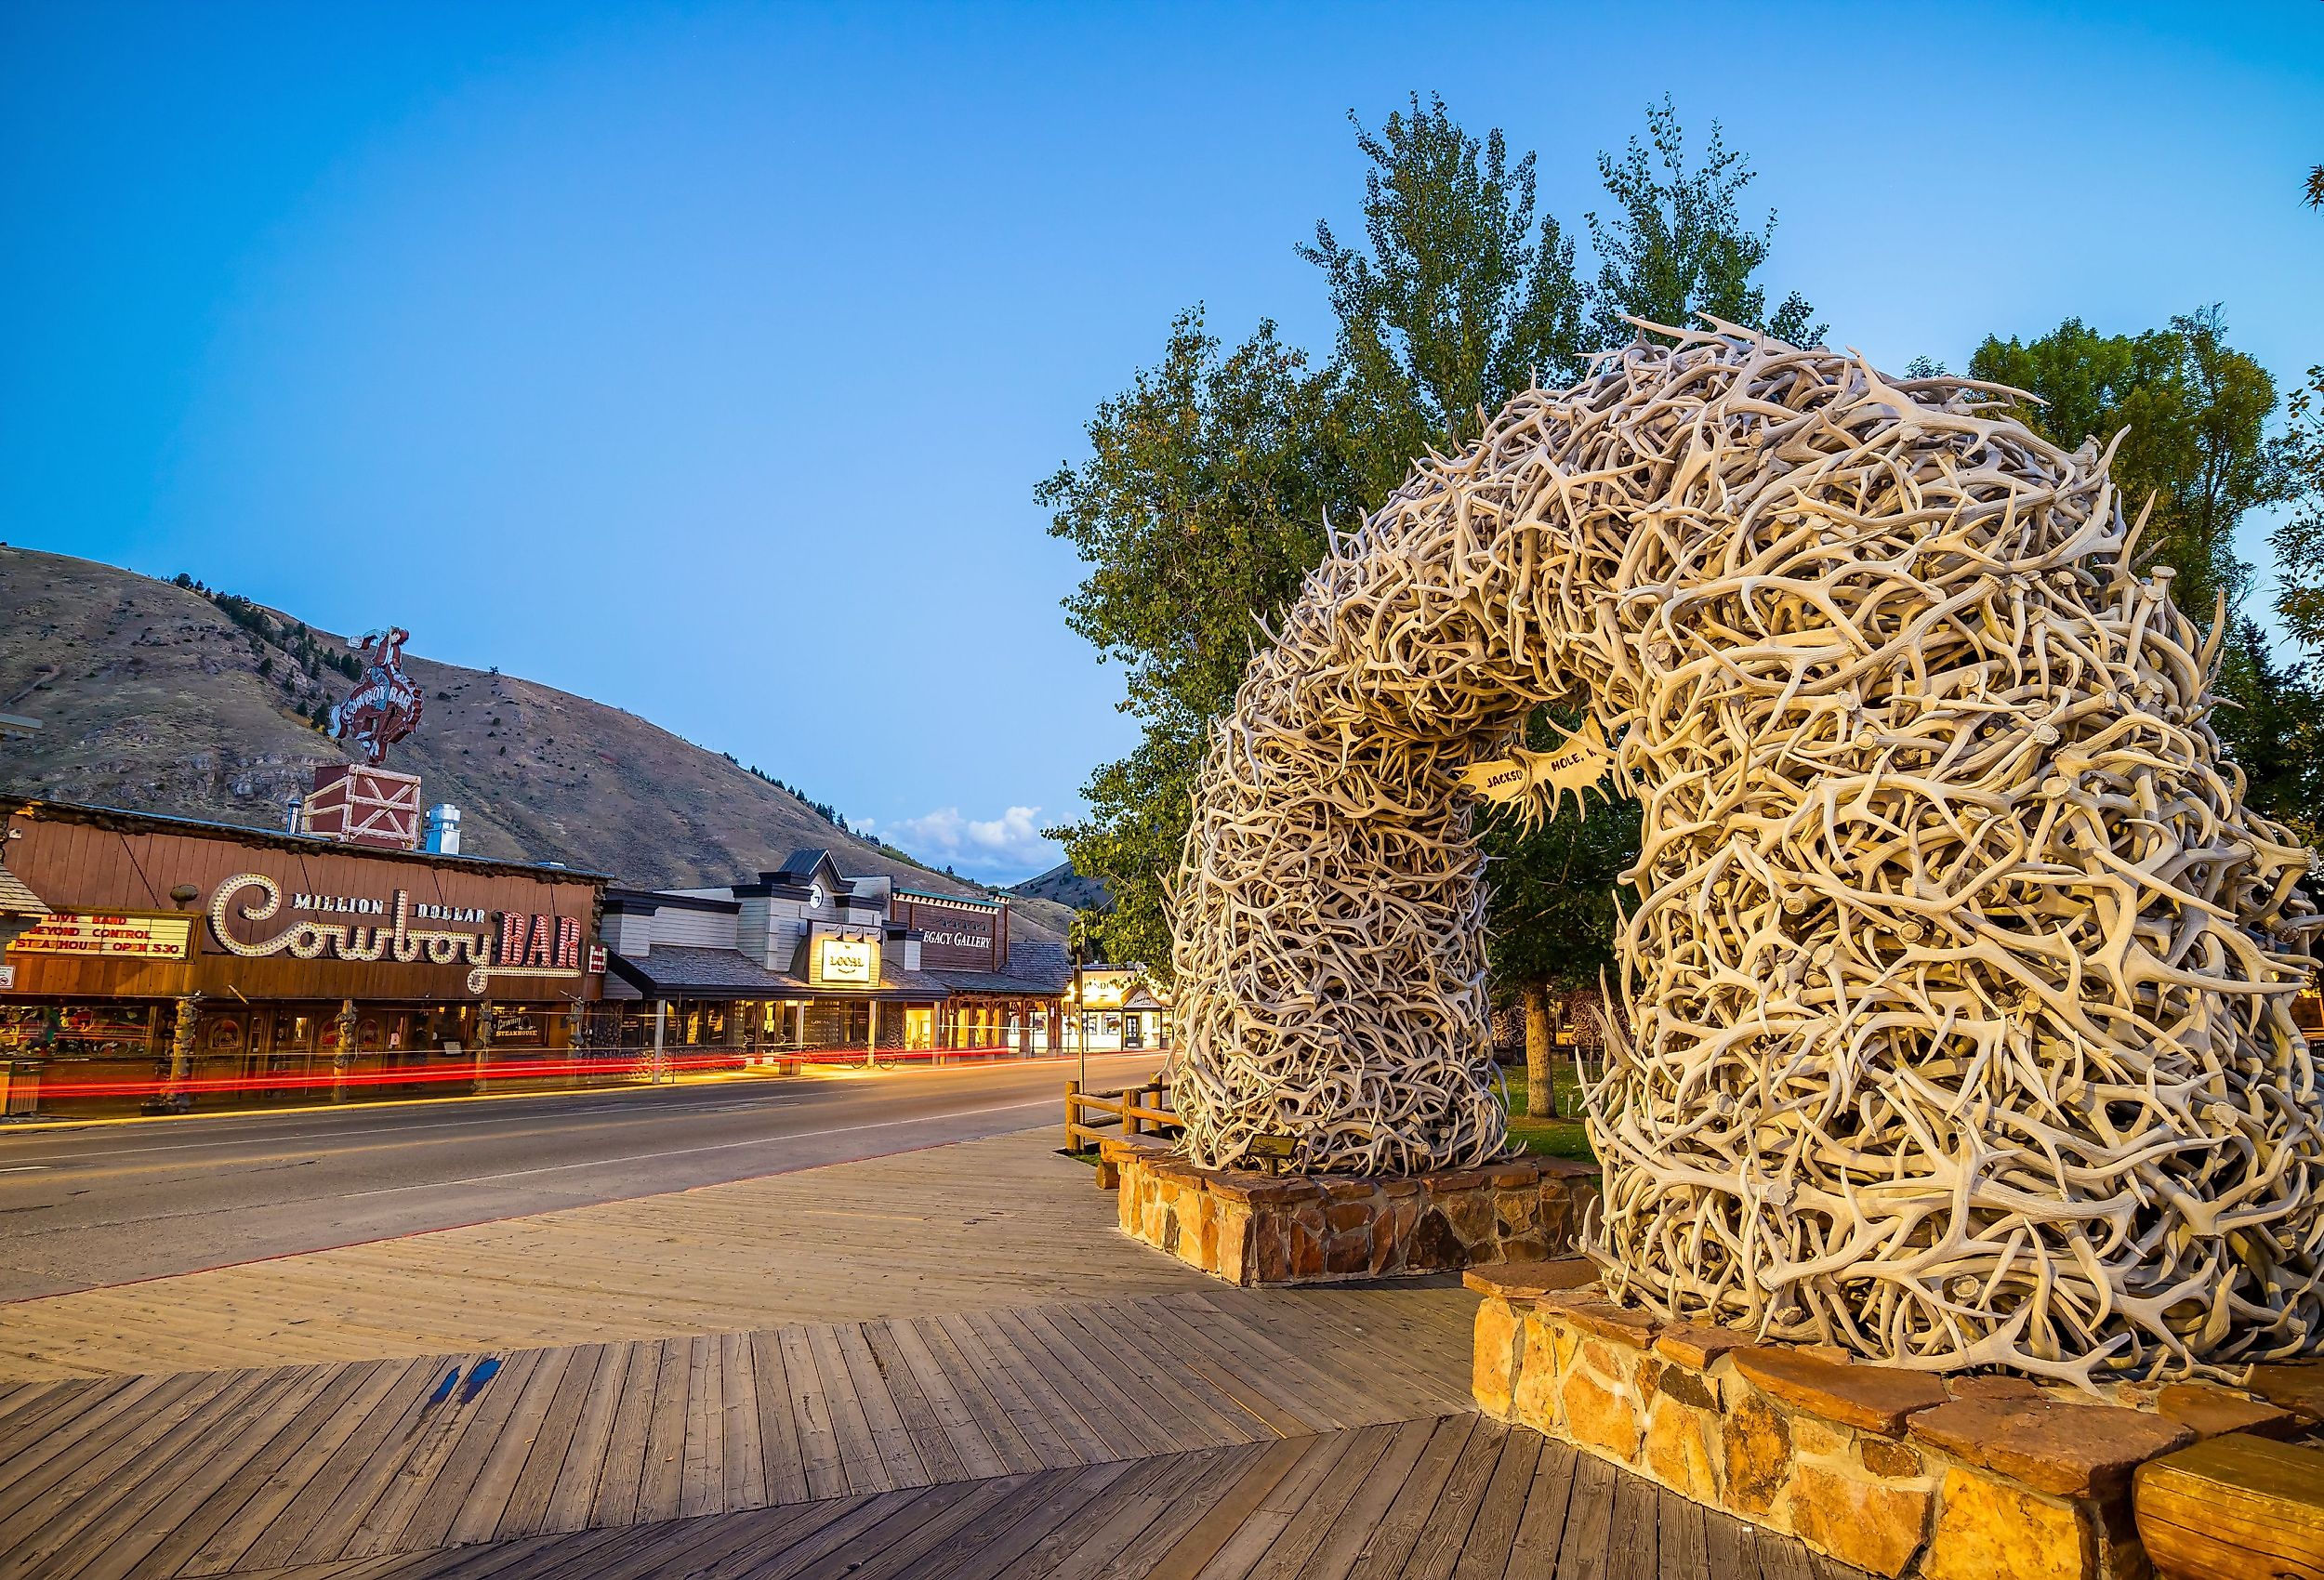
(701, 359)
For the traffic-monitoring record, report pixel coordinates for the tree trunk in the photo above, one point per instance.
(1541, 1097)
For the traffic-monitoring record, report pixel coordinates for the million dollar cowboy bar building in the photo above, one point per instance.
(156, 959)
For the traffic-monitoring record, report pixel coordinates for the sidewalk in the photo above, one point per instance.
(947, 1362)
(970, 1226)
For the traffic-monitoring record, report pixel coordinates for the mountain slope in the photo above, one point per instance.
(158, 698)
(1063, 886)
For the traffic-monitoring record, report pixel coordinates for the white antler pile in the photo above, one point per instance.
(1958, 996)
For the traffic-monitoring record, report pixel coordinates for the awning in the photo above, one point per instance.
(16, 900)
(21, 909)
(690, 971)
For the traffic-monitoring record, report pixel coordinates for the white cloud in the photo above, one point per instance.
(1003, 850)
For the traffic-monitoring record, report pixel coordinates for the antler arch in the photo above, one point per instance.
(1958, 998)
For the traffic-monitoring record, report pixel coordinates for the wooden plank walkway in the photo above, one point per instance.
(1457, 1498)
(943, 1365)
(212, 1472)
(1223, 1434)
(980, 1224)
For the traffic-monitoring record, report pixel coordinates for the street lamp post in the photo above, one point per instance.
(1081, 1026)
(1076, 940)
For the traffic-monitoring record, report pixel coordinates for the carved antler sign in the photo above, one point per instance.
(1958, 995)
(1541, 779)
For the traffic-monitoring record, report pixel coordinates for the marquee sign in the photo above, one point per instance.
(109, 937)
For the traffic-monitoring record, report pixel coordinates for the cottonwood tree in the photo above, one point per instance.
(1552, 922)
(2273, 728)
(1202, 501)
(1674, 242)
(1201, 505)
(2196, 412)
(2299, 543)
(1463, 299)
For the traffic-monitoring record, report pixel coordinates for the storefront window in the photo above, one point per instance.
(515, 1027)
(73, 1030)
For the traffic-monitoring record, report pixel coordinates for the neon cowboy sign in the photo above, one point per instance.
(531, 946)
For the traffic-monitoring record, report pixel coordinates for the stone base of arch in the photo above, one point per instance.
(1908, 1474)
(1251, 1229)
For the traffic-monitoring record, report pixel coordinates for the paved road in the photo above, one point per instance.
(113, 1203)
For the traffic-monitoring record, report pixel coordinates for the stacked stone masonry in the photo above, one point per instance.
(1255, 1228)
(1894, 1471)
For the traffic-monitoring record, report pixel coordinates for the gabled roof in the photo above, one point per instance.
(802, 862)
(1041, 960)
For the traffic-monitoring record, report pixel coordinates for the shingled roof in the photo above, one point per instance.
(1036, 969)
(18, 901)
(695, 971)
(685, 970)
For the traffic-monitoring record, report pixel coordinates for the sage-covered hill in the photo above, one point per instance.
(167, 699)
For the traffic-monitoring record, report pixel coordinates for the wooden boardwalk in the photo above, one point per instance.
(1165, 1425)
(979, 1224)
(1460, 1498)
(1228, 1433)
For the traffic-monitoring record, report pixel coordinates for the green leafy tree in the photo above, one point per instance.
(2299, 543)
(1674, 244)
(1200, 507)
(1201, 503)
(1553, 896)
(1463, 300)
(2273, 728)
(2196, 414)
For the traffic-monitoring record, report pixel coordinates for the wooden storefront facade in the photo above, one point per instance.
(804, 961)
(211, 957)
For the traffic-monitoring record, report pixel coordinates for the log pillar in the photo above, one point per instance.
(343, 1055)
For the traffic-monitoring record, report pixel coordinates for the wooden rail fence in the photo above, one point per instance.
(1136, 1111)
